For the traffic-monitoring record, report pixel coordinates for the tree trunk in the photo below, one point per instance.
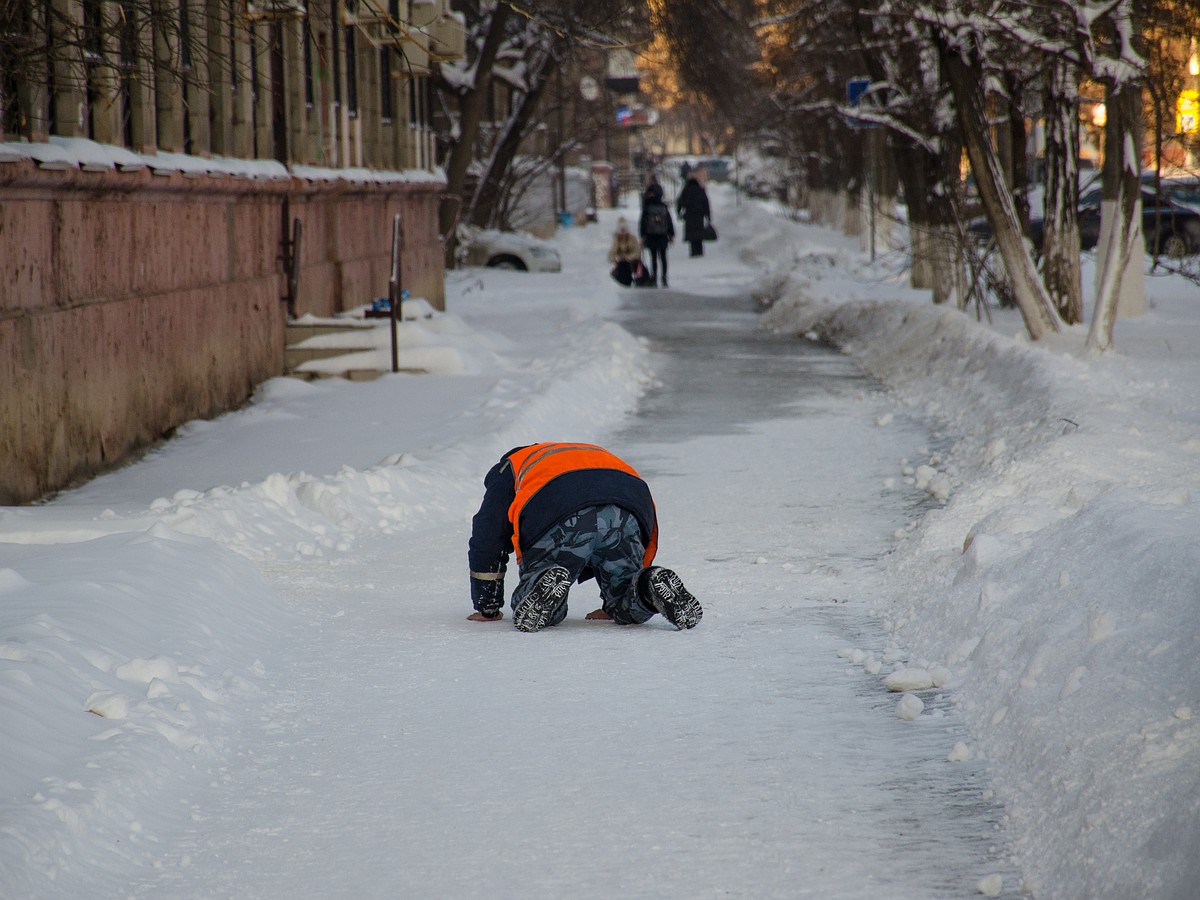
(931, 220)
(1018, 138)
(1060, 219)
(486, 203)
(471, 106)
(1121, 227)
(966, 82)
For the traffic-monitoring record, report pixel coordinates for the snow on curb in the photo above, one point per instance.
(1058, 583)
(594, 379)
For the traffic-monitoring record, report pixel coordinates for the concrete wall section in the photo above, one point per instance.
(346, 247)
(131, 303)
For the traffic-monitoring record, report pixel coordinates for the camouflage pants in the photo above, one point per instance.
(604, 541)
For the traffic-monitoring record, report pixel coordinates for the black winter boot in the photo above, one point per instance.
(665, 592)
(536, 610)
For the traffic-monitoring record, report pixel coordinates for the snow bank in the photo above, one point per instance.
(595, 378)
(123, 661)
(1057, 580)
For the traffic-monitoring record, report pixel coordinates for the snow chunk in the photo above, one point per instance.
(991, 886)
(911, 679)
(961, 753)
(980, 553)
(940, 676)
(144, 671)
(108, 705)
(909, 707)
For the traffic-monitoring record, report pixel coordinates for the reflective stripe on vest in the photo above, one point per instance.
(536, 466)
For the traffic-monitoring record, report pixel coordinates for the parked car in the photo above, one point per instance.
(1170, 220)
(719, 168)
(507, 250)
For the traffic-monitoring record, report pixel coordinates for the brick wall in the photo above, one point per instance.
(133, 302)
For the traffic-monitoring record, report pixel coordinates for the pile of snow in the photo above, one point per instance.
(123, 663)
(1056, 579)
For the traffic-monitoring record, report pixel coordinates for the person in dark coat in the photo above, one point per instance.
(656, 230)
(571, 512)
(692, 206)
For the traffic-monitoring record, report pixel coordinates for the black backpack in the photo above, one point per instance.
(658, 220)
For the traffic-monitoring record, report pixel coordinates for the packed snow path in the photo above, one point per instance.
(410, 753)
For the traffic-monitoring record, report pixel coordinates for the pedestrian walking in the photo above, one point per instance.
(693, 208)
(571, 512)
(657, 231)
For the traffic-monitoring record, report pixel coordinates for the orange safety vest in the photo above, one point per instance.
(535, 466)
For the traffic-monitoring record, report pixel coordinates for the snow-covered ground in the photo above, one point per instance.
(153, 619)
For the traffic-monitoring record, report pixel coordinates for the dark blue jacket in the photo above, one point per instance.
(492, 531)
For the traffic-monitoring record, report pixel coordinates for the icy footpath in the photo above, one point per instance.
(131, 644)
(1054, 587)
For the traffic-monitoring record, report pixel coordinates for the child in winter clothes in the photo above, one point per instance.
(625, 245)
(625, 252)
(570, 512)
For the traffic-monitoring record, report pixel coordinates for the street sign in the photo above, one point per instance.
(856, 89)
(636, 116)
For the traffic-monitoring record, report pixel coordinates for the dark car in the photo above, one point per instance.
(1170, 220)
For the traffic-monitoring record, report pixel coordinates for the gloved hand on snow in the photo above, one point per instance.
(487, 596)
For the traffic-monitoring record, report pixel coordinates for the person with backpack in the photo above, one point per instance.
(657, 231)
(570, 512)
(693, 207)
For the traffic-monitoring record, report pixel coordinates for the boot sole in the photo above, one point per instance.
(538, 608)
(675, 603)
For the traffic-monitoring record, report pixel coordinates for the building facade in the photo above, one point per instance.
(177, 178)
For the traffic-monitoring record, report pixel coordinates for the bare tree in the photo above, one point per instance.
(470, 84)
(1060, 220)
(513, 52)
(961, 57)
(1107, 39)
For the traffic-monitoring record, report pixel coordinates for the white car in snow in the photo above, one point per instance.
(507, 250)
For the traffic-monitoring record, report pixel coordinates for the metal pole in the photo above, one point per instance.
(871, 163)
(561, 200)
(395, 293)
